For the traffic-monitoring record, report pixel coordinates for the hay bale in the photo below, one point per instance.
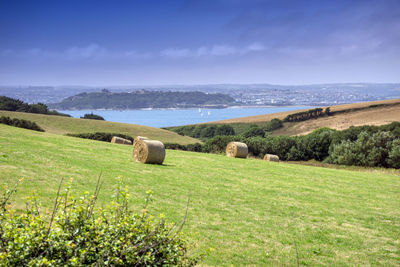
(237, 150)
(138, 138)
(120, 140)
(149, 151)
(270, 157)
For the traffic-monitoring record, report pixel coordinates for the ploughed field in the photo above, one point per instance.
(250, 212)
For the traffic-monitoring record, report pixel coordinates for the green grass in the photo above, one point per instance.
(250, 211)
(64, 125)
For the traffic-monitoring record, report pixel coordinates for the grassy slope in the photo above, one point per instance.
(64, 125)
(372, 116)
(250, 211)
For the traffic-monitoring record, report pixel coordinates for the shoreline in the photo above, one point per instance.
(205, 108)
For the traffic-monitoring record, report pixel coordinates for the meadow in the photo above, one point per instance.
(64, 125)
(243, 211)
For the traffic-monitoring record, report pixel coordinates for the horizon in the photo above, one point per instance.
(192, 42)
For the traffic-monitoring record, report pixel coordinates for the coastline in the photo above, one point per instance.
(193, 108)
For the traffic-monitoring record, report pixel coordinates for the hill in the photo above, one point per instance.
(142, 99)
(365, 113)
(251, 212)
(64, 125)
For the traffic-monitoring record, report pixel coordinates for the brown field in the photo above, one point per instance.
(370, 116)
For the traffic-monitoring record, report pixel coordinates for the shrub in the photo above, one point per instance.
(92, 116)
(274, 124)
(100, 136)
(197, 147)
(77, 233)
(376, 150)
(394, 155)
(20, 123)
(253, 131)
(203, 131)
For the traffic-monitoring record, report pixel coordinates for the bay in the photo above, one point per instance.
(176, 117)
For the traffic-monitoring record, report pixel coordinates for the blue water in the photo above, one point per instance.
(176, 117)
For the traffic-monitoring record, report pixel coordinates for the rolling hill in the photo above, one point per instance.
(250, 212)
(64, 125)
(365, 113)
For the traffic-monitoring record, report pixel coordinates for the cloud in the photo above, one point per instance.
(208, 51)
(97, 52)
(76, 53)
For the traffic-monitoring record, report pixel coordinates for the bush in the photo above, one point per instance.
(377, 150)
(203, 131)
(92, 116)
(100, 136)
(77, 233)
(253, 131)
(197, 147)
(20, 123)
(274, 124)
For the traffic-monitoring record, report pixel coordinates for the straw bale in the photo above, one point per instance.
(119, 140)
(149, 151)
(137, 138)
(237, 150)
(271, 157)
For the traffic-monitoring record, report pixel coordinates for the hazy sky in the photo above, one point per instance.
(120, 42)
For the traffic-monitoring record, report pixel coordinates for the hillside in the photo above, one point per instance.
(142, 99)
(251, 212)
(381, 112)
(64, 125)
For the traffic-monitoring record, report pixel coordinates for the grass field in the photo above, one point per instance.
(251, 212)
(64, 125)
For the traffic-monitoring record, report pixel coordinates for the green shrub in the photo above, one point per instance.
(20, 123)
(92, 116)
(203, 131)
(100, 136)
(394, 155)
(274, 124)
(77, 233)
(377, 150)
(197, 147)
(254, 131)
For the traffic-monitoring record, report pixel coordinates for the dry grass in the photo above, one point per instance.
(369, 116)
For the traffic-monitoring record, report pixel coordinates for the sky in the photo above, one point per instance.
(150, 42)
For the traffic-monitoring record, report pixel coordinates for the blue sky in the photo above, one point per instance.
(149, 42)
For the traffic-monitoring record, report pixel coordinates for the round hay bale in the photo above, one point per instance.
(237, 150)
(149, 151)
(120, 140)
(127, 142)
(138, 138)
(117, 140)
(270, 157)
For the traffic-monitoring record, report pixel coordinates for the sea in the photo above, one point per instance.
(176, 117)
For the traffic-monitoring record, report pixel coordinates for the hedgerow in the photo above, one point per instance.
(20, 123)
(100, 136)
(77, 233)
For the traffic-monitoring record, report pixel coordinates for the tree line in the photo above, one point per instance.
(11, 104)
